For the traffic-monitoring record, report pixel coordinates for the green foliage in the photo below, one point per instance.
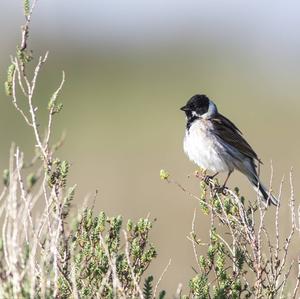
(26, 5)
(10, 72)
(97, 249)
(31, 180)
(68, 198)
(163, 174)
(5, 177)
(148, 287)
(23, 55)
(199, 287)
(227, 278)
(162, 294)
(57, 175)
(53, 106)
(226, 284)
(8, 84)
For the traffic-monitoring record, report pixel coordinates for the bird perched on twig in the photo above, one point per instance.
(214, 143)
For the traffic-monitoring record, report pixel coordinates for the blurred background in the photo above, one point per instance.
(130, 66)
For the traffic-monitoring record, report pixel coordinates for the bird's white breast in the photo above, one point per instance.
(203, 148)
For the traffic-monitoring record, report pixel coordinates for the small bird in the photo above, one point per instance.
(214, 143)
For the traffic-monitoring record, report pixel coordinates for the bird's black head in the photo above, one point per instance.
(198, 106)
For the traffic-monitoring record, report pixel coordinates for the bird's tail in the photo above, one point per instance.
(263, 192)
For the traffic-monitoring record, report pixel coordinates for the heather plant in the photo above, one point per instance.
(45, 251)
(244, 258)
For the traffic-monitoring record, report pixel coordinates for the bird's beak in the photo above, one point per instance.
(184, 108)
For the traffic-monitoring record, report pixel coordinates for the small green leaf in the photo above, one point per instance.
(10, 72)
(162, 294)
(6, 177)
(51, 102)
(129, 225)
(31, 180)
(164, 175)
(148, 287)
(26, 5)
(8, 88)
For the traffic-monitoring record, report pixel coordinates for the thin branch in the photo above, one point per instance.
(54, 96)
(160, 279)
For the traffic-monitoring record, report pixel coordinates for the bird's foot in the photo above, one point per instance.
(208, 178)
(221, 189)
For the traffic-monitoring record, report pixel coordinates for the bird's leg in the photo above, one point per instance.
(222, 188)
(207, 178)
(228, 175)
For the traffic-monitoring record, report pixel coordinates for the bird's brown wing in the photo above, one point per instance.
(230, 134)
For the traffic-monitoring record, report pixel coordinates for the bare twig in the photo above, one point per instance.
(160, 278)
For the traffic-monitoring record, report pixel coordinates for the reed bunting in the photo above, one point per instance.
(214, 143)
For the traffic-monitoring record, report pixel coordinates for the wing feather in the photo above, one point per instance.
(230, 134)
